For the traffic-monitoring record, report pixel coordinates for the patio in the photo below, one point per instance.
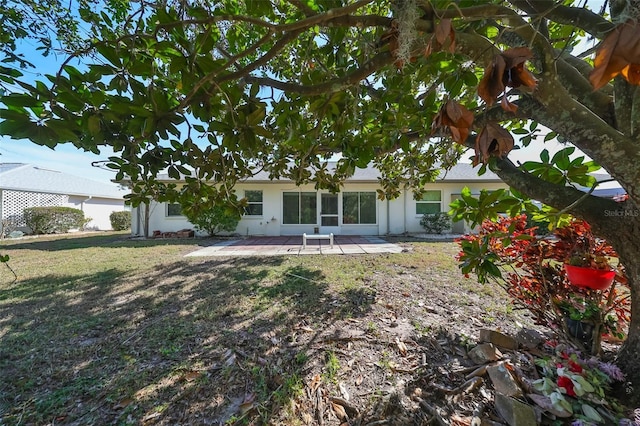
(292, 245)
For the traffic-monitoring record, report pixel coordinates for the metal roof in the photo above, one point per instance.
(461, 172)
(30, 178)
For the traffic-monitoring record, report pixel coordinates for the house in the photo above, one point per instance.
(26, 185)
(279, 207)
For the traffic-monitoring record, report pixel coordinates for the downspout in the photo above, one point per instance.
(82, 208)
(404, 208)
(388, 219)
(84, 201)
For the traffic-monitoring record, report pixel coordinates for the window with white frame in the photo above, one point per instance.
(430, 203)
(174, 210)
(359, 208)
(254, 202)
(299, 208)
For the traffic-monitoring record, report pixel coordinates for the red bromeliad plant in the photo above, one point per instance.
(530, 268)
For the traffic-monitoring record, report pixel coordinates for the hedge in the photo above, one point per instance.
(120, 220)
(51, 220)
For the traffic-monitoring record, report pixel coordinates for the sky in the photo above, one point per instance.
(69, 159)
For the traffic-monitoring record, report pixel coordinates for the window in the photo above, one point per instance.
(430, 203)
(174, 209)
(254, 203)
(359, 207)
(299, 208)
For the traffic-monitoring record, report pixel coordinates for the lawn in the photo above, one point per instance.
(102, 329)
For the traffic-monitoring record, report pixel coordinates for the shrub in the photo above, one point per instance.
(436, 223)
(219, 218)
(536, 280)
(120, 220)
(50, 220)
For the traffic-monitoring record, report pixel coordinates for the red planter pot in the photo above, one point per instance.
(595, 279)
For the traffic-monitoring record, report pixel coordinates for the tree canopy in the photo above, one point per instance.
(216, 91)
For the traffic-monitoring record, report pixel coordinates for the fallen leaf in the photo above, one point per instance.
(493, 140)
(124, 403)
(307, 418)
(190, 376)
(315, 382)
(248, 403)
(359, 380)
(402, 348)
(619, 53)
(339, 411)
(546, 404)
(457, 420)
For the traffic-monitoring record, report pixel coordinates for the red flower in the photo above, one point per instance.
(575, 367)
(567, 384)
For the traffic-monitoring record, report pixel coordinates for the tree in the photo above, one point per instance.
(219, 218)
(219, 90)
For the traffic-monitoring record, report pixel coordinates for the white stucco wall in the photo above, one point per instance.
(396, 216)
(98, 209)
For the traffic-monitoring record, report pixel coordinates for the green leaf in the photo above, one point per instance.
(591, 413)
(544, 156)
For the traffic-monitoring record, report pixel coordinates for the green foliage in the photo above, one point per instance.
(120, 220)
(531, 270)
(436, 223)
(562, 169)
(51, 220)
(213, 220)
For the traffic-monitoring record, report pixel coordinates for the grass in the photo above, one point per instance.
(102, 329)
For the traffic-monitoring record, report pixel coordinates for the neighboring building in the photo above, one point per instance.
(26, 185)
(279, 207)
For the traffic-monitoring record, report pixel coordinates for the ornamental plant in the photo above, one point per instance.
(578, 387)
(530, 268)
(436, 223)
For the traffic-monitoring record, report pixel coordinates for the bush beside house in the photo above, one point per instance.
(436, 223)
(51, 220)
(219, 218)
(120, 220)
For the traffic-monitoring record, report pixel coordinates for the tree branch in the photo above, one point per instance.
(579, 17)
(323, 18)
(578, 203)
(374, 64)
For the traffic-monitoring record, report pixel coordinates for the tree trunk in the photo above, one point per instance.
(147, 214)
(621, 230)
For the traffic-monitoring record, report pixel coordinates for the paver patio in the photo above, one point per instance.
(292, 245)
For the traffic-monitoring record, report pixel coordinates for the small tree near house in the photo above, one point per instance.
(216, 219)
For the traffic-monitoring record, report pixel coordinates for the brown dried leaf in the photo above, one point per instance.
(456, 118)
(508, 106)
(190, 376)
(402, 348)
(491, 85)
(443, 30)
(124, 403)
(248, 403)
(315, 382)
(507, 69)
(546, 404)
(359, 380)
(493, 140)
(619, 53)
(339, 411)
(307, 418)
